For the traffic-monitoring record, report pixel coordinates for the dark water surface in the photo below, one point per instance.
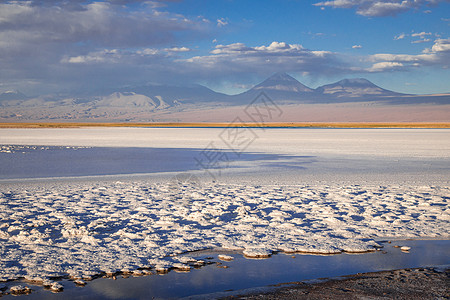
(210, 281)
(58, 161)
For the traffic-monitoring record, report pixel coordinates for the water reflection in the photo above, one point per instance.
(56, 161)
(245, 273)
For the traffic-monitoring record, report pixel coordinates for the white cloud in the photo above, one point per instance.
(421, 34)
(109, 56)
(441, 45)
(100, 23)
(406, 58)
(421, 41)
(279, 47)
(147, 51)
(238, 58)
(379, 8)
(437, 55)
(401, 36)
(337, 3)
(356, 46)
(40, 39)
(236, 47)
(221, 22)
(117, 56)
(241, 48)
(177, 49)
(24, 26)
(385, 66)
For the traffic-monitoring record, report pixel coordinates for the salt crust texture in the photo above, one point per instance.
(80, 230)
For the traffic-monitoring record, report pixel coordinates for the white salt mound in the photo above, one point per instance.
(257, 253)
(181, 267)
(56, 287)
(19, 289)
(225, 257)
(80, 282)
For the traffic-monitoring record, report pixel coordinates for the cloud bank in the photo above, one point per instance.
(379, 8)
(39, 38)
(437, 55)
(48, 46)
(239, 58)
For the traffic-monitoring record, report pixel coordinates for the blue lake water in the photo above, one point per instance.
(57, 161)
(211, 281)
(34, 162)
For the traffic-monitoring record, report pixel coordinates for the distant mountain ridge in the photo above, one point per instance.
(282, 82)
(357, 87)
(279, 86)
(167, 99)
(283, 87)
(12, 95)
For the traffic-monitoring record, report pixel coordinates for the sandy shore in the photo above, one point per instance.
(419, 283)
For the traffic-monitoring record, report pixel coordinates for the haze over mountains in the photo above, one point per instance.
(154, 102)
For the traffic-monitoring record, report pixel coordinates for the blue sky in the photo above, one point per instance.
(228, 45)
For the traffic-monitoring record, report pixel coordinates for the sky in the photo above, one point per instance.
(57, 46)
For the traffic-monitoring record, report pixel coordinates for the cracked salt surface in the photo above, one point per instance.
(84, 230)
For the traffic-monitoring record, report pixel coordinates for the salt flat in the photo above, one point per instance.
(302, 196)
(380, 142)
(291, 155)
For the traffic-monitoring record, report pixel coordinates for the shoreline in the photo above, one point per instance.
(404, 280)
(434, 125)
(428, 282)
(408, 283)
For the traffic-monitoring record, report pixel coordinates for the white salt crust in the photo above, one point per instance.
(86, 229)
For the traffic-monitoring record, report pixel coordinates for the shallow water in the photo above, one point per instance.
(72, 163)
(211, 281)
(58, 161)
(285, 155)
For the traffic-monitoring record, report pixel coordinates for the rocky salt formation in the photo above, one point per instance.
(225, 257)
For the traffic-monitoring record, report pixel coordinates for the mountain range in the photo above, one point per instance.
(156, 99)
